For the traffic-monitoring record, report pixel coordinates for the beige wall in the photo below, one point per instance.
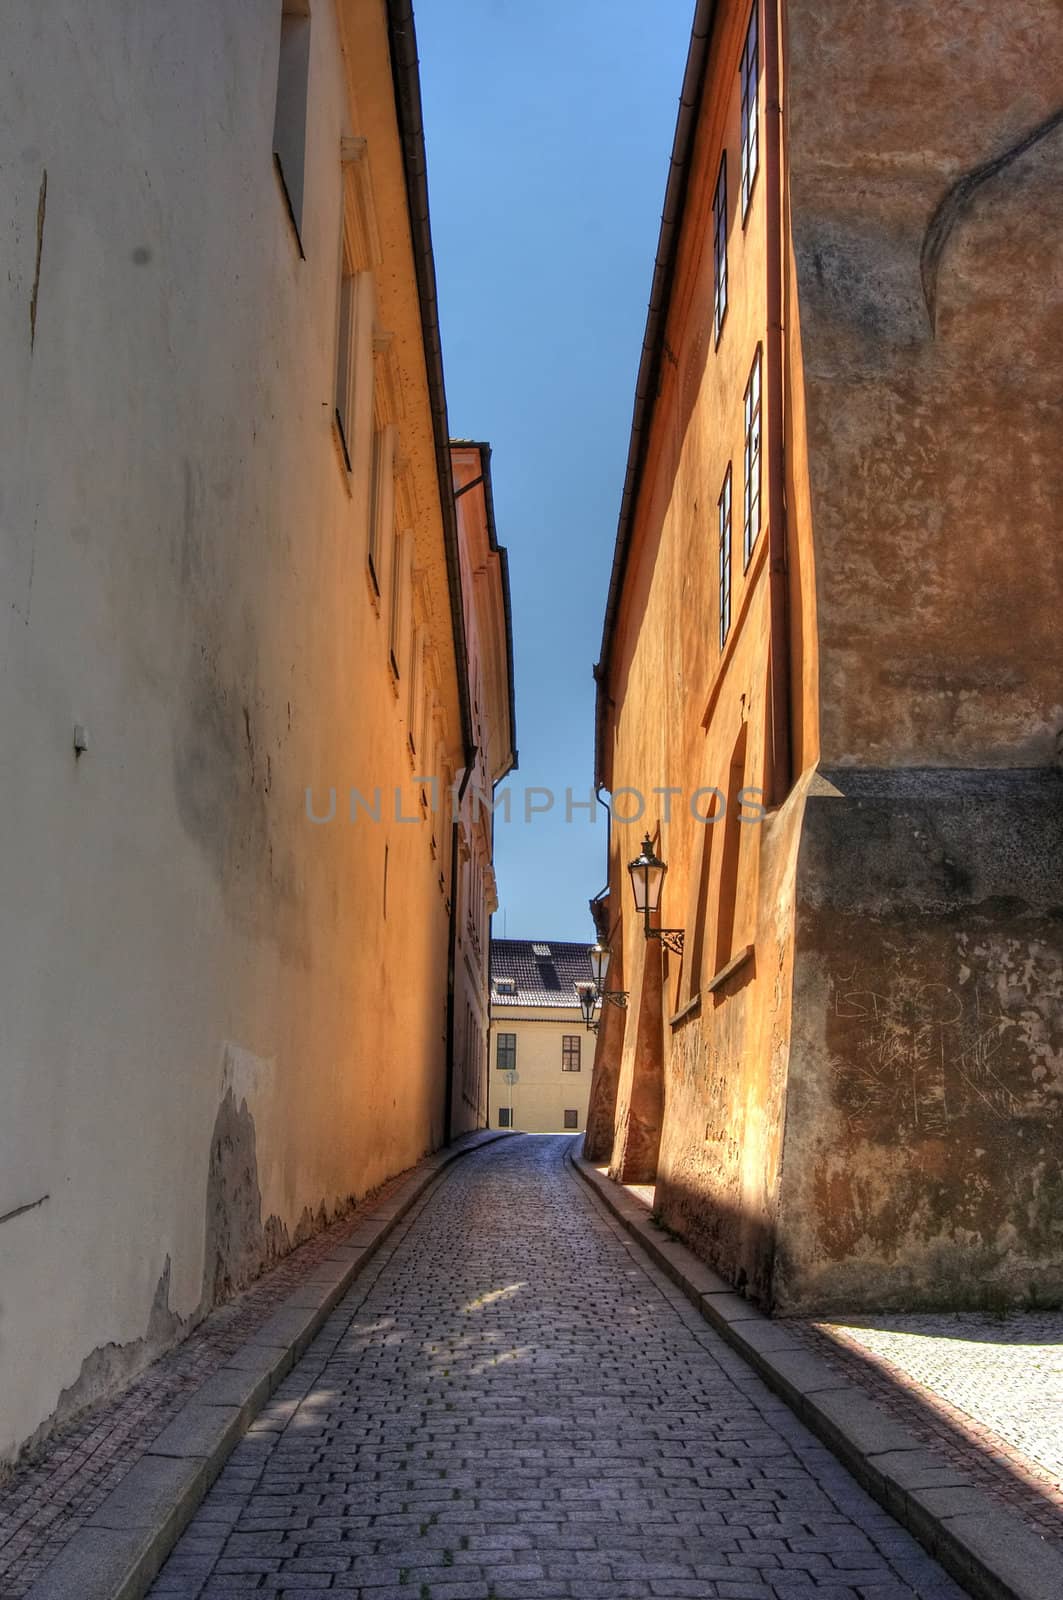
(219, 1023)
(542, 1092)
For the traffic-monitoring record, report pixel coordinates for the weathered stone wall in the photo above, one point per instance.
(923, 1155)
(925, 169)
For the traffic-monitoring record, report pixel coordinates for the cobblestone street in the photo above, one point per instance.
(513, 1402)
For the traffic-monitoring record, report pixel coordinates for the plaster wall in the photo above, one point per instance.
(219, 1022)
(927, 213)
(923, 1158)
(695, 1070)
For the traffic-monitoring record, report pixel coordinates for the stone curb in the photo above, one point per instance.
(985, 1547)
(119, 1551)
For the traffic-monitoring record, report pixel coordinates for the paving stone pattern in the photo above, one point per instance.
(520, 1405)
(984, 1391)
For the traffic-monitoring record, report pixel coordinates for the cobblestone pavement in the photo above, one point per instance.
(985, 1391)
(49, 1497)
(516, 1403)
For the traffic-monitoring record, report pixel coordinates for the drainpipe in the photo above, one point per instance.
(452, 950)
(779, 599)
(603, 894)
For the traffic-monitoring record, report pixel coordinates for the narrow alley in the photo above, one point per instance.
(512, 1401)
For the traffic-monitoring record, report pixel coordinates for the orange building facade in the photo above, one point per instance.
(824, 691)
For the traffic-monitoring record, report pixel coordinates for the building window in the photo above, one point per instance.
(400, 574)
(416, 678)
(732, 847)
(289, 121)
(750, 110)
(570, 1043)
(506, 1052)
(751, 462)
(382, 499)
(346, 360)
(505, 1117)
(354, 367)
(571, 1119)
(723, 537)
(719, 250)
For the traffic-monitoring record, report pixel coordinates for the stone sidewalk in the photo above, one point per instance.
(985, 1391)
(520, 1406)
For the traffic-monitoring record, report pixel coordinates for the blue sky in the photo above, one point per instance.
(549, 128)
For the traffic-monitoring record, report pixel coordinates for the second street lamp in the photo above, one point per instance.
(647, 880)
(599, 958)
(588, 1000)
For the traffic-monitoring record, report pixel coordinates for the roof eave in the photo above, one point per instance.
(402, 40)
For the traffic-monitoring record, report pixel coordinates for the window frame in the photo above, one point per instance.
(752, 458)
(505, 1116)
(719, 251)
(381, 500)
(291, 109)
(570, 1046)
(510, 1064)
(749, 77)
(573, 1125)
(724, 540)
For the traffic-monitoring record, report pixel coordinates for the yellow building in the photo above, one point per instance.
(541, 1049)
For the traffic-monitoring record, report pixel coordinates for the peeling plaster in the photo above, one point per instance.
(111, 1366)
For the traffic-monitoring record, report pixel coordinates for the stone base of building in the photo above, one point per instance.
(876, 1121)
(922, 1159)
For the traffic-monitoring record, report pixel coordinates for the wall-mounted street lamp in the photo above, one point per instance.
(599, 955)
(588, 1000)
(647, 880)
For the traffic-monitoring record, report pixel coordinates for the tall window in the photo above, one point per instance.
(732, 843)
(506, 1052)
(572, 1119)
(750, 75)
(570, 1043)
(416, 696)
(289, 121)
(723, 536)
(400, 563)
(354, 366)
(751, 462)
(346, 358)
(382, 499)
(719, 250)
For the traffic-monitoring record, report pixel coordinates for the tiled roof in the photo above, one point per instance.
(541, 979)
